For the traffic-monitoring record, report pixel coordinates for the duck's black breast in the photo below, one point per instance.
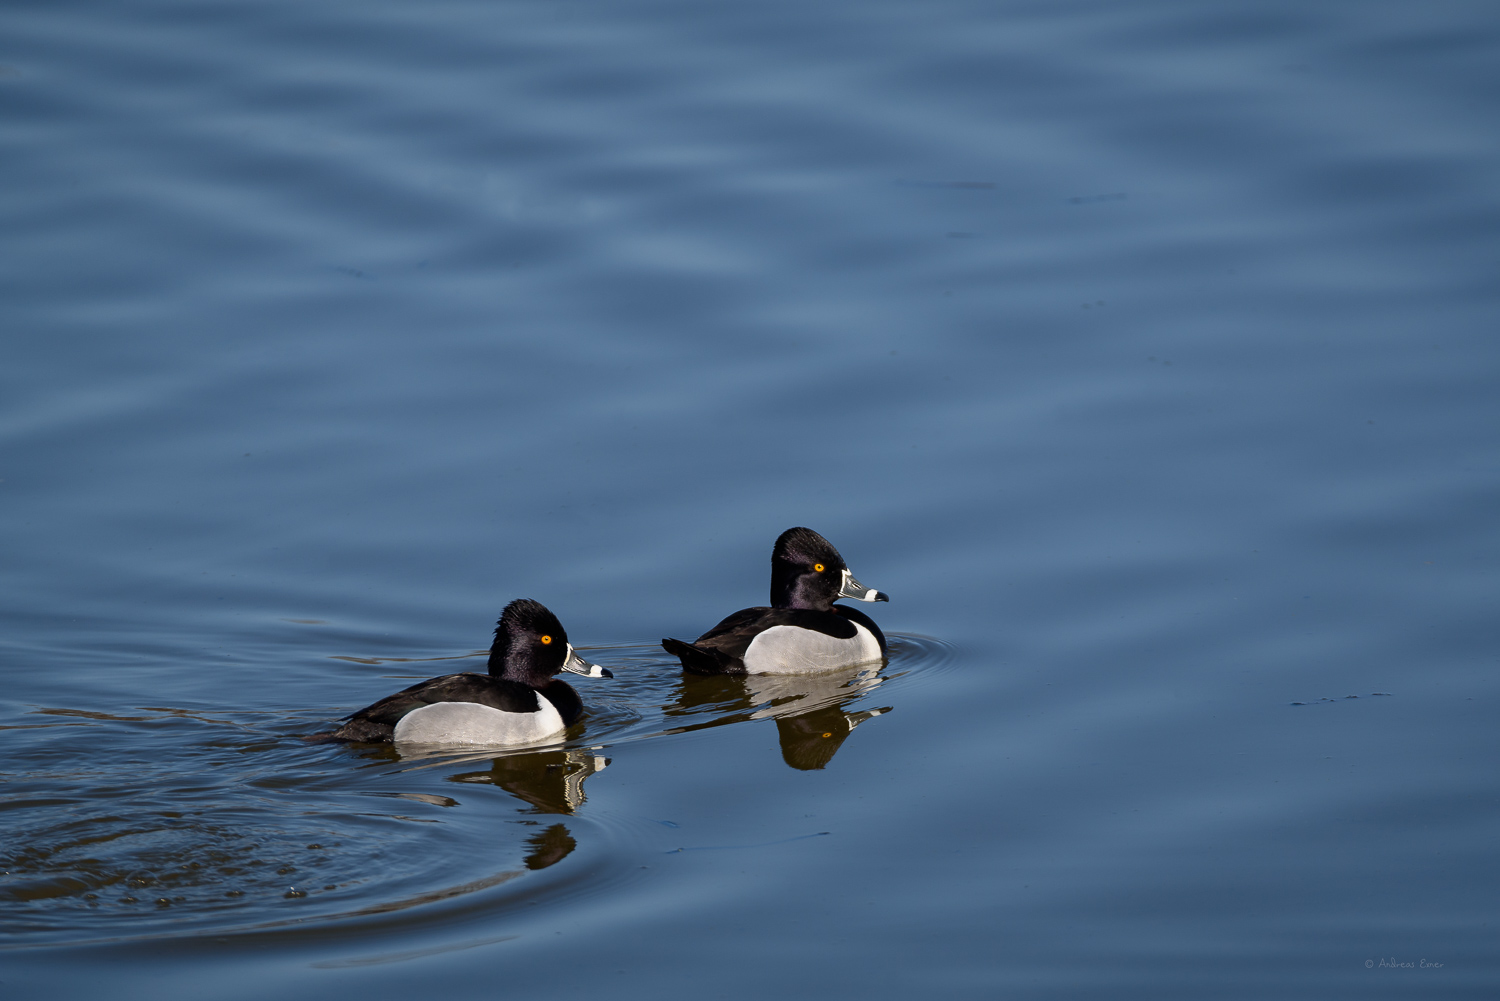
(561, 695)
(721, 650)
(377, 722)
(855, 615)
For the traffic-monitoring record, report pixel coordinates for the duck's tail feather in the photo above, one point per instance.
(358, 731)
(697, 659)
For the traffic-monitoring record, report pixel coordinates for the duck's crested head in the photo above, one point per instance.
(526, 615)
(803, 547)
(531, 646)
(807, 572)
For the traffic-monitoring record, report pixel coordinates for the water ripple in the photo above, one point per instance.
(168, 822)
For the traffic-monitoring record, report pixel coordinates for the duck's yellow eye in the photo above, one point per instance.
(546, 640)
(828, 735)
(818, 567)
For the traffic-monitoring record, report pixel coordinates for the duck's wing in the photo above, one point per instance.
(376, 723)
(721, 650)
(744, 623)
(856, 615)
(497, 693)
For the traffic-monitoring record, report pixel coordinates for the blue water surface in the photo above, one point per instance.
(1144, 354)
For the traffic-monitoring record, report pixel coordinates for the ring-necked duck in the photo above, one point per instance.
(803, 630)
(518, 702)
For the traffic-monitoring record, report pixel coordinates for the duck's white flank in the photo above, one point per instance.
(794, 650)
(472, 723)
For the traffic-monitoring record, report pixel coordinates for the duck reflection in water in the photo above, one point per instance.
(551, 781)
(549, 846)
(809, 709)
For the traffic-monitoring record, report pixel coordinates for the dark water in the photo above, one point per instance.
(1145, 354)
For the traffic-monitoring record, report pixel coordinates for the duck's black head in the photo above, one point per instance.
(807, 572)
(531, 646)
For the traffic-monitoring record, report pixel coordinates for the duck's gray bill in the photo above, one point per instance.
(854, 589)
(577, 665)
